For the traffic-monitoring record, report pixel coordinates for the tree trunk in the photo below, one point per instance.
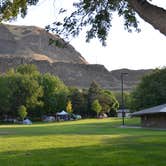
(154, 15)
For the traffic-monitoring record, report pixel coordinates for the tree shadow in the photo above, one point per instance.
(96, 128)
(114, 152)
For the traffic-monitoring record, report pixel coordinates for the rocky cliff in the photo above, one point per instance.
(33, 43)
(22, 44)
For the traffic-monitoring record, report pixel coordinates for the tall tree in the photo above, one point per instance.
(5, 94)
(126, 96)
(108, 102)
(96, 107)
(55, 93)
(79, 101)
(96, 15)
(19, 88)
(24, 91)
(93, 94)
(151, 91)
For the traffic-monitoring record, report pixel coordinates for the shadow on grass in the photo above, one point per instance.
(73, 128)
(113, 153)
(82, 144)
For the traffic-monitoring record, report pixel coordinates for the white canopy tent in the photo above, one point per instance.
(61, 116)
(62, 113)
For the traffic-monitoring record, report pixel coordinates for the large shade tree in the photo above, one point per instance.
(55, 94)
(18, 89)
(96, 15)
(151, 91)
(79, 101)
(41, 94)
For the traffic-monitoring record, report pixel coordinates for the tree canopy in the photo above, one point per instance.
(96, 107)
(106, 99)
(96, 17)
(151, 91)
(24, 90)
(93, 15)
(39, 93)
(10, 9)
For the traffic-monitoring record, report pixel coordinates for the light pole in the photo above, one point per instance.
(123, 113)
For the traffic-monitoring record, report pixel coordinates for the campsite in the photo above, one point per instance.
(82, 83)
(85, 142)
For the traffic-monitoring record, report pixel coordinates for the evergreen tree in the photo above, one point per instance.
(93, 94)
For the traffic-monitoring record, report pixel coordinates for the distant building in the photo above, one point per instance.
(153, 117)
(126, 113)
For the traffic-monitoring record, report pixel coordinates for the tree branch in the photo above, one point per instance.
(152, 14)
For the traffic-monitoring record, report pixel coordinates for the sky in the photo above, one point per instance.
(142, 50)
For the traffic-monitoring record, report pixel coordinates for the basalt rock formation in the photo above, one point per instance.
(30, 42)
(30, 45)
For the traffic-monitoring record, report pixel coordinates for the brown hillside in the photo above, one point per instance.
(27, 44)
(33, 42)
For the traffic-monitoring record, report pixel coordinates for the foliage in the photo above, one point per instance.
(83, 99)
(45, 94)
(105, 97)
(92, 15)
(10, 9)
(79, 101)
(55, 94)
(40, 94)
(5, 94)
(126, 97)
(28, 69)
(22, 111)
(96, 107)
(18, 89)
(151, 91)
(93, 93)
(108, 102)
(69, 107)
(24, 91)
(96, 16)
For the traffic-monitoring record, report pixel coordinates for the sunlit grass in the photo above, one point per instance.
(91, 142)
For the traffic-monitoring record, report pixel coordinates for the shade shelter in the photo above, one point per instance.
(152, 117)
(63, 115)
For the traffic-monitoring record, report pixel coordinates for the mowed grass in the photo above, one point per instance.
(93, 142)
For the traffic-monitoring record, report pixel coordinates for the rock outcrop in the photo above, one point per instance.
(29, 45)
(33, 43)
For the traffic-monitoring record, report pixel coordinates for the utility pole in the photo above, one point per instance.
(122, 88)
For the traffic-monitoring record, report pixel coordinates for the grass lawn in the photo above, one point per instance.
(94, 142)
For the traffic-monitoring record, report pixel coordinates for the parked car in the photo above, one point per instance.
(76, 117)
(49, 119)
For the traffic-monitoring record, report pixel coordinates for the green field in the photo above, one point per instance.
(95, 142)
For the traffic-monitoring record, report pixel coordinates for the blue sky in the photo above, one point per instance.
(124, 50)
